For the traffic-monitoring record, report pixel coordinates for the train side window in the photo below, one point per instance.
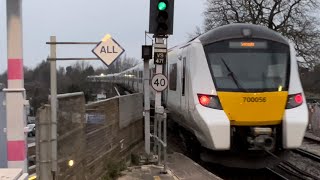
(173, 77)
(136, 76)
(183, 79)
(140, 76)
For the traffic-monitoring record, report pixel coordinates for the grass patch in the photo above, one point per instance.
(113, 169)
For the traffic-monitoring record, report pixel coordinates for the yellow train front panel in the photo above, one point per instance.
(254, 109)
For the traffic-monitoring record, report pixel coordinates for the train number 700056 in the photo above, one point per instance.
(254, 99)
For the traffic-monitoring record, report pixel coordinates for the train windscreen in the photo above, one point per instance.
(253, 65)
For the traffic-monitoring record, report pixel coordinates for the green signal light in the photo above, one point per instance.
(162, 6)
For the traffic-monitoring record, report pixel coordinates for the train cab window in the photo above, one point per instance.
(217, 71)
(183, 79)
(173, 77)
(256, 66)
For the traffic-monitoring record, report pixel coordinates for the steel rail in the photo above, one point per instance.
(308, 154)
(296, 171)
(277, 174)
(312, 139)
(292, 169)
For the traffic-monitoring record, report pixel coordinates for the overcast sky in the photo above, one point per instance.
(84, 20)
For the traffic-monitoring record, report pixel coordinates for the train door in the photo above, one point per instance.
(166, 73)
(183, 79)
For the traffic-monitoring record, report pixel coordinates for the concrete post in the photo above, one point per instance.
(53, 100)
(15, 94)
(43, 141)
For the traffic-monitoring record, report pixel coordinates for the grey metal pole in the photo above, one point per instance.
(159, 137)
(158, 119)
(158, 108)
(155, 133)
(165, 141)
(146, 106)
(158, 94)
(165, 121)
(53, 89)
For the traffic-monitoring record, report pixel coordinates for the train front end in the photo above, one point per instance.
(258, 88)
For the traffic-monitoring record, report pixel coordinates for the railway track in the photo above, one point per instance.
(295, 171)
(299, 167)
(277, 174)
(312, 139)
(308, 154)
(287, 170)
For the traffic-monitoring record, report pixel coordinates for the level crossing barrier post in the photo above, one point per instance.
(15, 93)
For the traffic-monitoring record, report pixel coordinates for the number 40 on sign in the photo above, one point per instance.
(159, 82)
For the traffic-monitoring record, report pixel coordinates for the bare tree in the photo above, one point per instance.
(197, 32)
(295, 19)
(121, 64)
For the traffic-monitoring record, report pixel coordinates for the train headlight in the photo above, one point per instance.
(294, 100)
(210, 101)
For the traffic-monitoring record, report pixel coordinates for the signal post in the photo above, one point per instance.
(161, 25)
(159, 83)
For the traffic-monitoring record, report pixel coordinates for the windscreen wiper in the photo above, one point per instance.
(230, 73)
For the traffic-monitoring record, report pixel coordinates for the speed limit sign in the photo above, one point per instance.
(159, 82)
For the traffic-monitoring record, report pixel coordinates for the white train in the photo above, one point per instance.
(236, 89)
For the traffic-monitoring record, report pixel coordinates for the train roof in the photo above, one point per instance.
(236, 31)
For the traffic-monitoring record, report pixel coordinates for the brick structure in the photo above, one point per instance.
(106, 138)
(71, 136)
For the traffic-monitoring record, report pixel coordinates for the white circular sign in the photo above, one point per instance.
(159, 82)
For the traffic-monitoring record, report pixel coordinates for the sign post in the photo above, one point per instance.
(160, 83)
(161, 25)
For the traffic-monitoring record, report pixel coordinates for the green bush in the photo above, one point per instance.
(113, 170)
